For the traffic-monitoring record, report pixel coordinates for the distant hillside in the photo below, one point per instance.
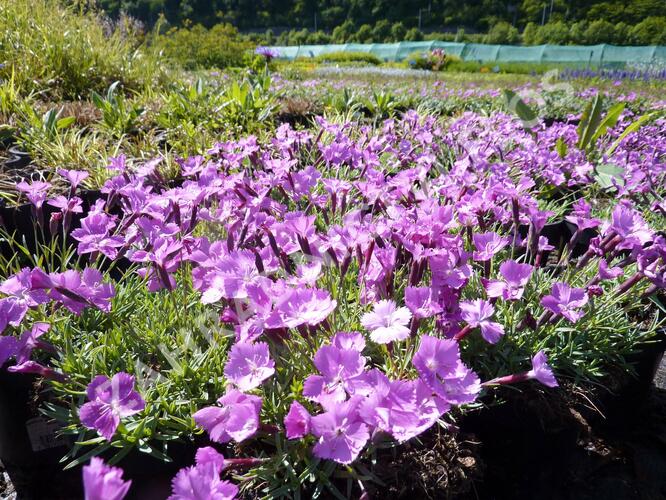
(440, 15)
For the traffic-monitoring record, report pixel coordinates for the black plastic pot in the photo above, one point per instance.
(30, 451)
(524, 442)
(584, 238)
(29, 448)
(18, 158)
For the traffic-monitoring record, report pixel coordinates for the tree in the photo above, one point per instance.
(530, 34)
(555, 33)
(398, 32)
(342, 33)
(414, 35)
(503, 32)
(363, 35)
(577, 32)
(381, 32)
(600, 31)
(650, 31)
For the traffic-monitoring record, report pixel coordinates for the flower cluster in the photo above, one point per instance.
(357, 283)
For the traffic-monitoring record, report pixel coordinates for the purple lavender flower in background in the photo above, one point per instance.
(302, 306)
(249, 365)
(237, 419)
(29, 341)
(102, 482)
(349, 340)
(387, 322)
(93, 235)
(267, 53)
(110, 400)
(35, 368)
(566, 301)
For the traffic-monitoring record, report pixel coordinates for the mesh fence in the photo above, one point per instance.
(596, 55)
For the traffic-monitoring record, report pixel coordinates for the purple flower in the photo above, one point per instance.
(76, 291)
(477, 313)
(628, 224)
(11, 313)
(581, 216)
(237, 418)
(117, 163)
(249, 365)
(35, 192)
(29, 341)
(487, 245)
(19, 288)
(541, 371)
(102, 482)
(297, 421)
(449, 269)
(35, 368)
(110, 400)
(67, 205)
(165, 255)
(232, 275)
(349, 340)
(515, 277)
(401, 408)
(438, 363)
(338, 368)
(266, 52)
(309, 306)
(608, 273)
(75, 177)
(387, 322)
(93, 235)
(8, 349)
(422, 302)
(340, 432)
(566, 301)
(202, 481)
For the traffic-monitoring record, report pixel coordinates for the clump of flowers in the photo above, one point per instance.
(325, 292)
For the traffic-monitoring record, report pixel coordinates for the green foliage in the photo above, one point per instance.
(413, 35)
(198, 47)
(434, 60)
(118, 116)
(503, 33)
(650, 31)
(47, 47)
(348, 57)
(600, 31)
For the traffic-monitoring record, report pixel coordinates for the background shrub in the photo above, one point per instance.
(49, 47)
(348, 57)
(503, 32)
(198, 47)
